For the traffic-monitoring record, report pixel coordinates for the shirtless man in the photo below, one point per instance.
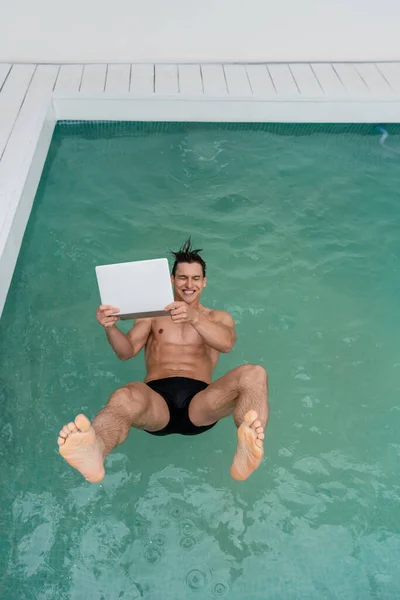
(177, 396)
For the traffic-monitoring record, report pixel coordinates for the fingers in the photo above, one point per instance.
(108, 310)
(180, 318)
(178, 311)
(105, 314)
(109, 321)
(175, 306)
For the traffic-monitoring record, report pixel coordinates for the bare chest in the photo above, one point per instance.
(167, 332)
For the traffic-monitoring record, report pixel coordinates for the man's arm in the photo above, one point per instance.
(217, 330)
(128, 345)
(124, 345)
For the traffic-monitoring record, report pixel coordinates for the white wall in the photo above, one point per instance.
(198, 30)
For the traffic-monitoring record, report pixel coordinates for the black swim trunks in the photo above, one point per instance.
(177, 393)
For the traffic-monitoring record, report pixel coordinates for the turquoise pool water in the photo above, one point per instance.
(300, 229)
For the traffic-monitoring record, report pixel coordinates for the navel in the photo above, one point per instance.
(160, 330)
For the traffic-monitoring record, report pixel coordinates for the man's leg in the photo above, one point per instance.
(242, 392)
(85, 446)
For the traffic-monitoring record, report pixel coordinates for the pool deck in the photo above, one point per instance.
(33, 97)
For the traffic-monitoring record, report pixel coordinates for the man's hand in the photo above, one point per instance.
(103, 314)
(182, 313)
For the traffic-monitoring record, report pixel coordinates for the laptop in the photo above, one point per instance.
(139, 289)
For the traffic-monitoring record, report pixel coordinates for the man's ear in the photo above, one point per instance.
(204, 281)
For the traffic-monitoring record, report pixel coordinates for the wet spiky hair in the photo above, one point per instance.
(187, 254)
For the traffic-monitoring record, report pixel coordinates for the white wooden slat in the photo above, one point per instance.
(94, 79)
(19, 178)
(142, 79)
(237, 81)
(260, 80)
(282, 79)
(118, 79)
(391, 72)
(166, 79)
(351, 80)
(11, 98)
(373, 79)
(21, 147)
(214, 81)
(328, 79)
(69, 79)
(190, 80)
(306, 81)
(4, 71)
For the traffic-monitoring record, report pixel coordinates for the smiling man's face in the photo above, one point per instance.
(188, 282)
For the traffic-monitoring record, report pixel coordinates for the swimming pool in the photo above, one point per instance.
(299, 226)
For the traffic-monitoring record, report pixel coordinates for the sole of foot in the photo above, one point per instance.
(82, 449)
(250, 448)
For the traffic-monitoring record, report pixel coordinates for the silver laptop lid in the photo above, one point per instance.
(139, 289)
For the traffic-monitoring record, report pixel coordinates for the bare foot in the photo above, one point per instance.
(250, 447)
(81, 448)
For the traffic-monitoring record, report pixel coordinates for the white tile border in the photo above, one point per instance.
(291, 109)
(221, 93)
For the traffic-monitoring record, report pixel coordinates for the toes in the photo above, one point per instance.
(72, 428)
(250, 417)
(251, 420)
(82, 423)
(260, 436)
(259, 443)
